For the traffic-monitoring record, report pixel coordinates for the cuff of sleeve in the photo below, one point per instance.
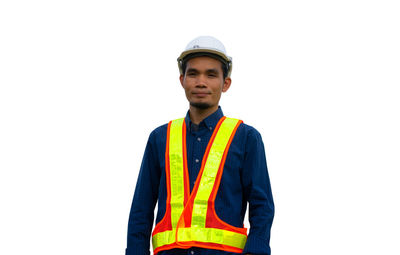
(136, 251)
(257, 246)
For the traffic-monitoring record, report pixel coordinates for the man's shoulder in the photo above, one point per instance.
(159, 131)
(248, 128)
(249, 133)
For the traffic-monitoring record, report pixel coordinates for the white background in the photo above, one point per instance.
(83, 83)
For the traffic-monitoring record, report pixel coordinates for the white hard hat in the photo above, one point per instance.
(208, 45)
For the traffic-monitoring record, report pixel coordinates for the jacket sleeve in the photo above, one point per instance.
(257, 191)
(142, 210)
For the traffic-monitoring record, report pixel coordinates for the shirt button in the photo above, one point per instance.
(197, 161)
(199, 139)
(192, 252)
(210, 128)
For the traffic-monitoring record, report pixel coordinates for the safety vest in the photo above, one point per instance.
(190, 218)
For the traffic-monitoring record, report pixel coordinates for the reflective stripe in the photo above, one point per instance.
(210, 172)
(205, 235)
(176, 170)
(163, 238)
(212, 235)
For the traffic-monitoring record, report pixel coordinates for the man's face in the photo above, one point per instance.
(203, 82)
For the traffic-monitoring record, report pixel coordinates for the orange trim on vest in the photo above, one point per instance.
(187, 212)
(164, 223)
(185, 167)
(214, 221)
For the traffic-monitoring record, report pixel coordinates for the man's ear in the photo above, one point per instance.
(227, 84)
(181, 79)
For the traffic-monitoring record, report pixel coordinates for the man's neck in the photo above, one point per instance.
(197, 115)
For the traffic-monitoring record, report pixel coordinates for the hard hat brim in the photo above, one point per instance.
(207, 51)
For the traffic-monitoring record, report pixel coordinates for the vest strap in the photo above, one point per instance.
(210, 170)
(176, 170)
(204, 235)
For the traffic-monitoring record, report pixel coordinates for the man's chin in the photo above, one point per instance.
(199, 105)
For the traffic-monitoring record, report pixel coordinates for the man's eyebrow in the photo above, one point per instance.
(212, 70)
(192, 70)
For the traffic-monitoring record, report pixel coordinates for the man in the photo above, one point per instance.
(202, 170)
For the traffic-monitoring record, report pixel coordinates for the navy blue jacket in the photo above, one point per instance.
(244, 180)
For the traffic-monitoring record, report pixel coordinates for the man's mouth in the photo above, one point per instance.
(201, 94)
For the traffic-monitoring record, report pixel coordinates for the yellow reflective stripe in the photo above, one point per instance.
(205, 235)
(212, 235)
(163, 238)
(210, 171)
(176, 170)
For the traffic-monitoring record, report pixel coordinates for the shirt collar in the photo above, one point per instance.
(210, 122)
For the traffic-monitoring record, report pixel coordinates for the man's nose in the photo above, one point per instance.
(201, 81)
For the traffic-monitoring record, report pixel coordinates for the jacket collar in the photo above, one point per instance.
(209, 123)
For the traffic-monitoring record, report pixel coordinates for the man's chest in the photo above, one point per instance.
(196, 147)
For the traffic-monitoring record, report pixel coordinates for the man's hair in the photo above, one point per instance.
(224, 64)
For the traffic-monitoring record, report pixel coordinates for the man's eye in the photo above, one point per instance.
(212, 75)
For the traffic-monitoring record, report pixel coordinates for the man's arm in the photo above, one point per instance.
(258, 193)
(142, 211)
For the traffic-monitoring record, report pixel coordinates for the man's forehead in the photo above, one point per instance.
(208, 70)
(203, 60)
